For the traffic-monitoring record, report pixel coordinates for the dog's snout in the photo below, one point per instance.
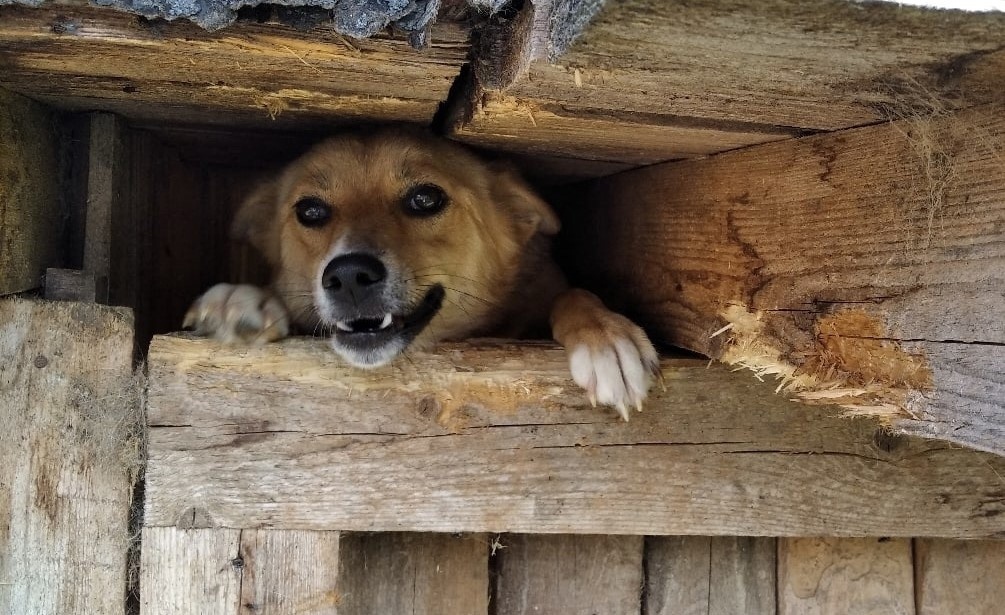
(353, 275)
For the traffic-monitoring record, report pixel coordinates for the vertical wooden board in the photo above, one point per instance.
(742, 575)
(190, 571)
(431, 574)
(31, 213)
(678, 569)
(571, 575)
(837, 576)
(959, 576)
(69, 421)
(289, 572)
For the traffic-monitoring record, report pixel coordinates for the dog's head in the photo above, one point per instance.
(393, 237)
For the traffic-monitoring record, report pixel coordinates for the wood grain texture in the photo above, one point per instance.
(678, 574)
(898, 226)
(571, 575)
(497, 438)
(396, 572)
(188, 571)
(31, 213)
(66, 404)
(742, 576)
(111, 240)
(956, 576)
(836, 576)
(290, 572)
(654, 84)
(80, 57)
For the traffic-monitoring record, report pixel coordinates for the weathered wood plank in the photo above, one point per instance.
(69, 416)
(573, 575)
(836, 576)
(701, 575)
(414, 573)
(190, 571)
(289, 572)
(955, 576)
(497, 438)
(111, 241)
(866, 266)
(678, 575)
(70, 285)
(267, 75)
(31, 213)
(742, 576)
(657, 84)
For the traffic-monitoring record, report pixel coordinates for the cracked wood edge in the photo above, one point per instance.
(864, 267)
(494, 437)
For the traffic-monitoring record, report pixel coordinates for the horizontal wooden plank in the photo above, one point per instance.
(497, 438)
(651, 84)
(866, 266)
(268, 75)
(31, 212)
(69, 452)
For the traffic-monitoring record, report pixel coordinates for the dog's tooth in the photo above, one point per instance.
(341, 326)
(387, 321)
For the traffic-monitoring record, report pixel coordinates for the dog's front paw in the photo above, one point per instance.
(238, 313)
(609, 356)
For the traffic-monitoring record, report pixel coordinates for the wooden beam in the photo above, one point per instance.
(190, 571)
(646, 84)
(864, 267)
(69, 453)
(835, 576)
(578, 575)
(31, 212)
(496, 438)
(81, 57)
(414, 573)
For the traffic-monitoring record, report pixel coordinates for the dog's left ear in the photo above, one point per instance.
(531, 213)
(255, 222)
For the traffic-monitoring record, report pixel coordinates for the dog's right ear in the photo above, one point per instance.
(256, 223)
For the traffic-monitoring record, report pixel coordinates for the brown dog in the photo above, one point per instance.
(394, 239)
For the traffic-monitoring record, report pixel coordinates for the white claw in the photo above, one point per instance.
(623, 410)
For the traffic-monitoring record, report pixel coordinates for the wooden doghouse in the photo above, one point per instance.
(809, 195)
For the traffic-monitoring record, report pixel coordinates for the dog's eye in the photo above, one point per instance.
(425, 200)
(312, 211)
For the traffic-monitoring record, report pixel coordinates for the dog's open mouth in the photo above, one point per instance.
(369, 335)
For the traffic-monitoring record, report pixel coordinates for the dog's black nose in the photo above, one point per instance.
(353, 276)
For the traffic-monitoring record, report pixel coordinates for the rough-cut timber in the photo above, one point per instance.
(701, 575)
(573, 575)
(265, 75)
(67, 453)
(414, 573)
(954, 576)
(866, 267)
(649, 82)
(239, 572)
(31, 213)
(498, 438)
(836, 576)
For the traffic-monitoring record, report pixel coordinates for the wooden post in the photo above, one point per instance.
(70, 449)
(863, 268)
(31, 210)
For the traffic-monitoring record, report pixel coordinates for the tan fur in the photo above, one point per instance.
(488, 248)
